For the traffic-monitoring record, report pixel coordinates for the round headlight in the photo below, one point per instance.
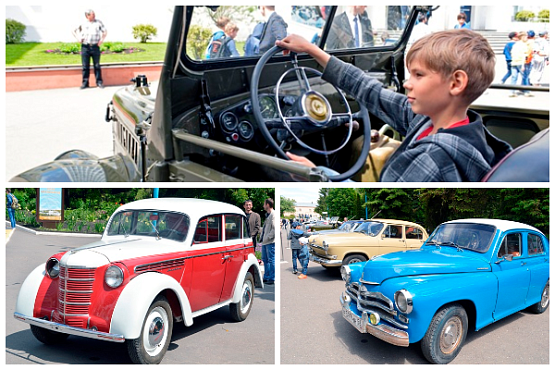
(346, 273)
(53, 268)
(113, 276)
(403, 300)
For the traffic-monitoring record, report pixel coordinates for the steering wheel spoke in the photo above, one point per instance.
(313, 112)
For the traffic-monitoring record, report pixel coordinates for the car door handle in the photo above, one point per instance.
(523, 263)
(227, 257)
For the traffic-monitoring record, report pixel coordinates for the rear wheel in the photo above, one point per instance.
(48, 336)
(240, 311)
(445, 336)
(156, 334)
(542, 305)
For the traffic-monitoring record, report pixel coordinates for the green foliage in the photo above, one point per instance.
(144, 32)
(524, 16)
(197, 41)
(15, 31)
(543, 15)
(116, 47)
(70, 48)
(286, 205)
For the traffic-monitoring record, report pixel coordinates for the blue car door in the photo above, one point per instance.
(513, 275)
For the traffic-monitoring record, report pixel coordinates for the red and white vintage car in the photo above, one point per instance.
(159, 261)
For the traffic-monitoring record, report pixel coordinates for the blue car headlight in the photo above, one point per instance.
(403, 300)
(346, 273)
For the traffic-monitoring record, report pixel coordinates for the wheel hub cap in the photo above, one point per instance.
(156, 332)
(451, 335)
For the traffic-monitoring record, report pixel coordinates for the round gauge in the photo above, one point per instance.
(268, 107)
(229, 121)
(246, 130)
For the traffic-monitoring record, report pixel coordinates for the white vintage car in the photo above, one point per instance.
(159, 261)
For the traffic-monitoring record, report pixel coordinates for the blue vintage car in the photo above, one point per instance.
(468, 274)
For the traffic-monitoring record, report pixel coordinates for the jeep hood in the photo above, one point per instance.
(446, 260)
(101, 252)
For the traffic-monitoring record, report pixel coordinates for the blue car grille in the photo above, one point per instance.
(368, 301)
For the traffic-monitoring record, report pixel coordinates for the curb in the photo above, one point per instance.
(55, 233)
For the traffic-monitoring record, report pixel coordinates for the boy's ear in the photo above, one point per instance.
(458, 82)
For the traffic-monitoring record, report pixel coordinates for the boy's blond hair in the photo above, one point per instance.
(230, 27)
(448, 51)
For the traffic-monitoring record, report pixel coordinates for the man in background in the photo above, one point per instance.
(91, 35)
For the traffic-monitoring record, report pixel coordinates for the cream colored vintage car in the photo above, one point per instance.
(374, 237)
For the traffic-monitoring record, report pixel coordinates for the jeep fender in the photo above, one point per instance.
(29, 291)
(250, 262)
(136, 298)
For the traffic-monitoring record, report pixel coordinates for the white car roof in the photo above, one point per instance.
(502, 225)
(194, 208)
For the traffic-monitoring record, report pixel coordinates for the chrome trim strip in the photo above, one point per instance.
(76, 291)
(74, 303)
(62, 328)
(313, 258)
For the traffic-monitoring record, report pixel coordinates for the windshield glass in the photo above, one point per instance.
(475, 237)
(249, 31)
(165, 225)
(370, 228)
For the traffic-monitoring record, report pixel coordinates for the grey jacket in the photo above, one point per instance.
(295, 235)
(274, 29)
(465, 153)
(268, 230)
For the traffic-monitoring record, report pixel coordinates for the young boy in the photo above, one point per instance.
(444, 140)
(299, 248)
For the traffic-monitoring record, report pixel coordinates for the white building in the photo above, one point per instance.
(55, 22)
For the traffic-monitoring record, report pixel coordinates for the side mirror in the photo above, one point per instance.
(507, 257)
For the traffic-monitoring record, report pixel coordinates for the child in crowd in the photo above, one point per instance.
(299, 248)
(444, 140)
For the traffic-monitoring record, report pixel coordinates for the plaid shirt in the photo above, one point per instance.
(465, 153)
(91, 32)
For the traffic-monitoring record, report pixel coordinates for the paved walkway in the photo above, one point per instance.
(42, 124)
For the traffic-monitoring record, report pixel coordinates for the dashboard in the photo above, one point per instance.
(238, 125)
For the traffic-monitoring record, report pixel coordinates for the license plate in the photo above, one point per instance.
(355, 320)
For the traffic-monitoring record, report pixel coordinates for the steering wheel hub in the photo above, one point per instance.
(316, 107)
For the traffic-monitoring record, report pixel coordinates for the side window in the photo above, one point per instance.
(414, 233)
(233, 226)
(535, 245)
(208, 230)
(394, 232)
(511, 245)
(114, 225)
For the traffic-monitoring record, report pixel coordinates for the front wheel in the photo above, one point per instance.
(48, 336)
(445, 336)
(240, 311)
(156, 334)
(354, 258)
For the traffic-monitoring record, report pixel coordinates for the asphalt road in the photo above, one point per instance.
(214, 338)
(313, 330)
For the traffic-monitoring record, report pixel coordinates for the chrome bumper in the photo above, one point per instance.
(324, 261)
(62, 328)
(381, 331)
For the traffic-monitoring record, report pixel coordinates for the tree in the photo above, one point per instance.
(321, 204)
(393, 203)
(144, 32)
(286, 205)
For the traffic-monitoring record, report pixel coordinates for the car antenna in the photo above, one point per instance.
(376, 214)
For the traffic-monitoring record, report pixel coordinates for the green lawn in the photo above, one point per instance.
(34, 54)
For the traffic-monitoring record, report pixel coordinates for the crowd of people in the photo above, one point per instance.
(527, 55)
(263, 37)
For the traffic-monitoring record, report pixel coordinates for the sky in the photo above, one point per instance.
(301, 195)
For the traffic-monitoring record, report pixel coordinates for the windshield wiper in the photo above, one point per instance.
(155, 229)
(449, 244)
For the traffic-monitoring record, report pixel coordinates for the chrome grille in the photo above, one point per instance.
(368, 301)
(74, 296)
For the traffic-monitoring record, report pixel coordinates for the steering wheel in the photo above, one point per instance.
(312, 112)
